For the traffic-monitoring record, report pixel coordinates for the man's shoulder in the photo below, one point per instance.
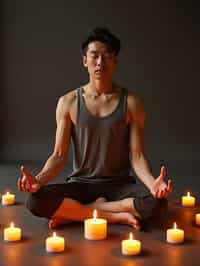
(134, 101)
(69, 98)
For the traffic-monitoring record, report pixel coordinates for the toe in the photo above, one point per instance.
(52, 224)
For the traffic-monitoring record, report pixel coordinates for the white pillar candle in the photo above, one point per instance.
(131, 246)
(175, 235)
(95, 228)
(188, 200)
(55, 243)
(8, 199)
(197, 219)
(12, 233)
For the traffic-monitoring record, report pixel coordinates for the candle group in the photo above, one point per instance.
(188, 200)
(95, 228)
(8, 199)
(175, 235)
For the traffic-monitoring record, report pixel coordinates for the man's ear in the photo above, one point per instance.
(84, 61)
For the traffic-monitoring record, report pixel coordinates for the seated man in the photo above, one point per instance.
(105, 123)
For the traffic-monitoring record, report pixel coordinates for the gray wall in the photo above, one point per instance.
(41, 60)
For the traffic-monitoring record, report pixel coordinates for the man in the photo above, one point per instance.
(105, 123)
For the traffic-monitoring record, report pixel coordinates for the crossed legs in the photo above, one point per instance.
(61, 204)
(72, 210)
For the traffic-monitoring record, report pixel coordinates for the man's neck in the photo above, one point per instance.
(100, 87)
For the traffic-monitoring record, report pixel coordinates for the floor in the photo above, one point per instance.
(79, 251)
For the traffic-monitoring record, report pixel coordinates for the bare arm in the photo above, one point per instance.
(139, 162)
(56, 161)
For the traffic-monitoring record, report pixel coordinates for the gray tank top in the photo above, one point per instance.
(101, 144)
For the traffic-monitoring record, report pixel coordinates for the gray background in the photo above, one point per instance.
(41, 60)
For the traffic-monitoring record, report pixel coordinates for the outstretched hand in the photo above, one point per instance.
(27, 182)
(160, 188)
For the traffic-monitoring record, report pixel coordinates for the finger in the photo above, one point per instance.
(27, 186)
(26, 180)
(35, 187)
(159, 194)
(166, 192)
(169, 185)
(19, 183)
(163, 172)
(25, 172)
(153, 192)
(156, 193)
(22, 187)
(162, 193)
(25, 183)
(136, 223)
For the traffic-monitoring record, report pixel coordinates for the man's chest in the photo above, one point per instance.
(101, 106)
(96, 106)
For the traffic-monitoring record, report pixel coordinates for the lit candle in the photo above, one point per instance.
(131, 246)
(188, 200)
(12, 233)
(8, 199)
(175, 235)
(95, 228)
(55, 243)
(197, 219)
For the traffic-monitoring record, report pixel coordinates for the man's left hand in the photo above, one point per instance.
(160, 188)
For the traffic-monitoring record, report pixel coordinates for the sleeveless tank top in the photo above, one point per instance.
(100, 145)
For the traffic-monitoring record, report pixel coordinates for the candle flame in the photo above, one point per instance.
(95, 214)
(54, 234)
(12, 225)
(188, 194)
(175, 226)
(130, 236)
(7, 193)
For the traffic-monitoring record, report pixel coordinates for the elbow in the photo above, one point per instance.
(137, 155)
(59, 156)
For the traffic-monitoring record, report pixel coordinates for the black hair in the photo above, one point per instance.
(102, 35)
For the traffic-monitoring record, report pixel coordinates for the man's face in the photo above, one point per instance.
(99, 60)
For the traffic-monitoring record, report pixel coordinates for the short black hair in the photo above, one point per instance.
(102, 35)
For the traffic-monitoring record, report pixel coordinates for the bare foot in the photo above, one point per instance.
(100, 199)
(95, 204)
(55, 222)
(128, 218)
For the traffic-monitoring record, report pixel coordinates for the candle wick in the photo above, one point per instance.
(95, 215)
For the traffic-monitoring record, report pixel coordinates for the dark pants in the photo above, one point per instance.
(46, 201)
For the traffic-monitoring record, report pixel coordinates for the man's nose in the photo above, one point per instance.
(100, 60)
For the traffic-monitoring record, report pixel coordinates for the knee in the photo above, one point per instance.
(149, 207)
(33, 204)
(160, 209)
(43, 204)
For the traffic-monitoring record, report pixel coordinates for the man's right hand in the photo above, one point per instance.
(27, 182)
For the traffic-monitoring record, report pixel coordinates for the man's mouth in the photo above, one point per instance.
(99, 71)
